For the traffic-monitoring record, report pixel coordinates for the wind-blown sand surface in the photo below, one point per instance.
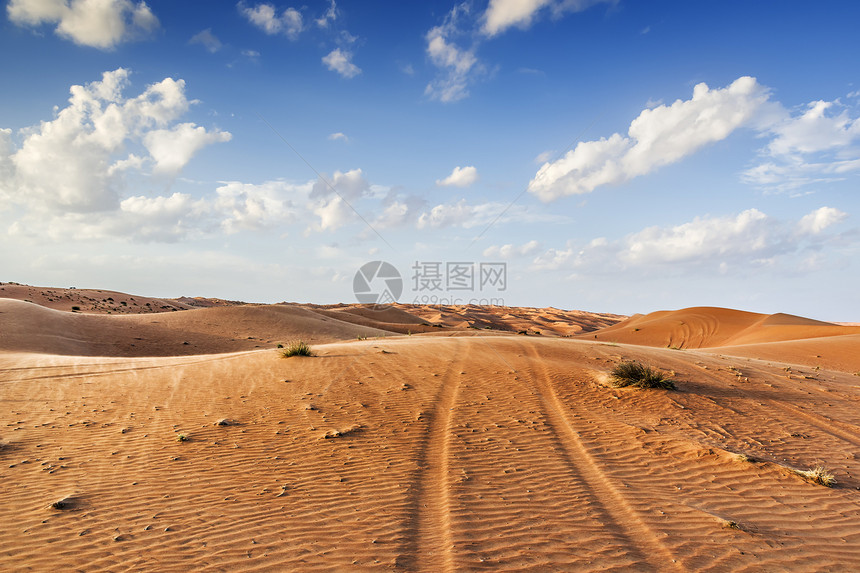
(450, 449)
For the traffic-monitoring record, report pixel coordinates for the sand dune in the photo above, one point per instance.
(452, 450)
(703, 327)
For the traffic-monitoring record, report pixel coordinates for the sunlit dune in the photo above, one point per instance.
(423, 439)
(703, 327)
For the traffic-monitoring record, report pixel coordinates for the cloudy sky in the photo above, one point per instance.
(618, 156)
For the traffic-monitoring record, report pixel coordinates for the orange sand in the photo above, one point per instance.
(451, 449)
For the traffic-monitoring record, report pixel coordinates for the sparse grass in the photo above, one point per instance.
(819, 474)
(297, 348)
(640, 376)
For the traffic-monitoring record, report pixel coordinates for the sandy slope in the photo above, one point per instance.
(703, 327)
(445, 451)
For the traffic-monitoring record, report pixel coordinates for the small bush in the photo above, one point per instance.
(641, 376)
(820, 475)
(76, 308)
(297, 348)
(182, 438)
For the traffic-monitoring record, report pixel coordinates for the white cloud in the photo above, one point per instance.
(350, 184)
(504, 14)
(329, 16)
(172, 149)
(818, 145)
(657, 137)
(97, 23)
(457, 67)
(748, 233)
(206, 39)
(340, 61)
(460, 177)
(244, 206)
(466, 215)
(818, 220)
(790, 173)
(265, 17)
(333, 214)
(338, 137)
(394, 215)
(814, 130)
(510, 251)
(7, 169)
(747, 238)
(78, 160)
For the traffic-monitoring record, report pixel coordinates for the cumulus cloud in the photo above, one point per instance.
(460, 177)
(817, 145)
(78, 160)
(814, 130)
(97, 23)
(504, 14)
(206, 39)
(340, 61)
(748, 233)
(333, 214)
(350, 185)
(657, 137)
(172, 149)
(818, 220)
(245, 206)
(511, 251)
(749, 237)
(394, 215)
(265, 17)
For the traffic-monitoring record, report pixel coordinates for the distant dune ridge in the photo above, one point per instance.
(143, 433)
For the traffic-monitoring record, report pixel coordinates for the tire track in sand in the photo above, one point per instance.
(431, 511)
(586, 467)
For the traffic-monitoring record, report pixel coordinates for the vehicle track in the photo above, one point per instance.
(94, 373)
(431, 515)
(582, 463)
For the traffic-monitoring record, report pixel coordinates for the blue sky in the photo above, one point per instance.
(618, 156)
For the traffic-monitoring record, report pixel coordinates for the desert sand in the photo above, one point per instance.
(171, 435)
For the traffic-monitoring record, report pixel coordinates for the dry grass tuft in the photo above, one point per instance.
(819, 474)
(297, 348)
(640, 376)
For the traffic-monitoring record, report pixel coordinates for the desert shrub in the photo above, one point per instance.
(820, 475)
(640, 376)
(297, 348)
(76, 308)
